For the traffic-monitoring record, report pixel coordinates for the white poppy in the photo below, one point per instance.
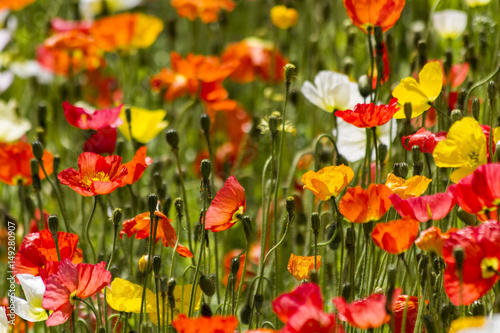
(91, 8)
(4, 322)
(332, 91)
(6, 79)
(12, 127)
(31, 68)
(449, 23)
(476, 3)
(31, 308)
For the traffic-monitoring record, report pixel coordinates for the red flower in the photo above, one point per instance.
(481, 246)
(96, 175)
(369, 115)
(141, 227)
(38, 249)
(70, 282)
(137, 166)
(87, 119)
(215, 324)
(361, 206)
(397, 236)
(102, 142)
(370, 13)
(424, 139)
(365, 313)
(434, 207)
(227, 205)
(411, 305)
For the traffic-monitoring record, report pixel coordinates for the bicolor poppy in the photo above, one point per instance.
(369, 115)
(328, 181)
(432, 240)
(92, 119)
(361, 206)
(396, 236)
(371, 13)
(429, 207)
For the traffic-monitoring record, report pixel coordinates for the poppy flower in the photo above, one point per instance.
(206, 10)
(449, 23)
(137, 166)
(369, 115)
(328, 181)
(214, 324)
(419, 94)
(96, 175)
(228, 204)
(182, 296)
(477, 324)
(411, 305)
(300, 267)
(283, 17)
(103, 141)
(15, 163)
(38, 249)
(14, 4)
(371, 13)
(30, 309)
(429, 207)
(12, 127)
(424, 139)
(145, 124)
(369, 312)
(361, 206)
(72, 281)
(60, 61)
(72, 40)
(124, 296)
(407, 188)
(140, 226)
(432, 240)
(60, 25)
(481, 246)
(92, 119)
(464, 148)
(396, 236)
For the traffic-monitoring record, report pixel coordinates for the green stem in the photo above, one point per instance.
(87, 228)
(480, 83)
(377, 173)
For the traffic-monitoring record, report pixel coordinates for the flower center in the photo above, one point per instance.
(489, 266)
(473, 159)
(72, 297)
(96, 177)
(236, 214)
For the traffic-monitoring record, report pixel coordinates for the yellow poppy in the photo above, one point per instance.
(328, 181)
(283, 17)
(124, 296)
(300, 267)
(146, 124)
(182, 295)
(467, 322)
(413, 187)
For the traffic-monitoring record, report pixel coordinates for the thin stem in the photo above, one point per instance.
(480, 83)
(377, 164)
(87, 228)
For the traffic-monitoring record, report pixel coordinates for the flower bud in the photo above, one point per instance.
(37, 148)
(247, 227)
(117, 216)
(461, 99)
(235, 266)
(53, 224)
(152, 202)
(128, 115)
(315, 223)
(492, 90)
(101, 330)
(408, 111)
(205, 123)
(459, 254)
(448, 61)
(205, 310)
(55, 164)
(156, 264)
(289, 72)
(367, 229)
(42, 115)
(172, 138)
(346, 290)
(171, 287)
(340, 159)
(35, 167)
(273, 124)
(258, 300)
(418, 167)
(166, 205)
(400, 170)
(143, 264)
(478, 308)
(290, 205)
(158, 182)
(456, 115)
(245, 312)
(469, 219)
(314, 276)
(382, 153)
(207, 285)
(205, 168)
(350, 239)
(365, 86)
(475, 108)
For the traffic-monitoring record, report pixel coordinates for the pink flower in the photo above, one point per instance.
(86, 119)
(434, 207)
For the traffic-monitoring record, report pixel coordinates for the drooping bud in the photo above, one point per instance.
(207, 285)
(340, 159)
(365, 86)
(245, 312)
(205, 310)
(258, 300)
(314, 276)
(468, 218)
(37, 148)
(315, 223)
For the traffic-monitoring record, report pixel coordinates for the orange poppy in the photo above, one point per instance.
(69, 40)
(369, 115)
(411, 305)
(15, 163)
(361, 206)
(300, 267)
(62, 61)
(371, 13)
(396, 236)
(14, 4)
(413, 187)
(432, 240)
(214, 324)
(328, 181)
(137, 166)
(206, 10)
(140, 226)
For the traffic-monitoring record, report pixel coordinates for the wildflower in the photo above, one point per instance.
(70, 282)
(432, 240)
(411, 305)
(92, 119)
(145, 124)
(481, 246)
(464, 148)
(361, 206)
(15, 163)
(477, 3)
(420, 94)
(369, 312)
(332, 91)
(328, 181)
(300, 267)
(371, 13)
(407, 188)
(369, 115)
(283, 17)
(12, 127)
(14, 4)
(434, 207)
(103, 141)
(92, 8)
(214, 324)
(476, 324)
(124, 296)
(396, 236)
(30, 309)
(63, 61)
(137, 166)
(182, 297)
(140, 226)
(206, 10)
(449, 23)
(229, 203)
(424, 139)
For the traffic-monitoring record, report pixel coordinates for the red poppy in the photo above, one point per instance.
(140, 226)
(397, 236)
(361, 206)
(227, 205)
(92, 119)
(434, 207)
(369, 312)
(424, 139)
(38, 248)
(369, 115)
(214, 324)
(370, 13)
(432, 240)
(96, 175)
(102, 142)
(411, 305)
(70, 281)
(481, 246)
(137, 166)
(386, 73)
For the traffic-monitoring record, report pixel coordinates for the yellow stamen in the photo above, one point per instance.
(488, 267)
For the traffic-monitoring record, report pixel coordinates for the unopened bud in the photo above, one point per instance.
(152, 202)
(117, 216)
(172, 138)
(178, 203)
(400, 170)
(315, 223)
(367, 229)
(143, 264)
(156, 264)
(461, 99)
(42, 115)
(418, 168)
(55, 164)
(53, 224)
(289, 72)
(448, 61)
(492, 90)
(290, 205)
(205, 123)
(205, 168)
(207, 285)
(37, 148)
(365, 86)
(350, 239)
(459, 254)
(245, 312)
(415, 154)
(171, 287)
(466, 217)
(314, 276)
(382, 152)
(258, 300)
(340, 159)
(273, 124)
(456, 115)
(408, 111)
(475, 108)
(158, 182)
(205, 310)
(247, 227)
(348, 65)
(128, 115)
(235, 265)
(379, 37)
(35, 167)
(478, 308)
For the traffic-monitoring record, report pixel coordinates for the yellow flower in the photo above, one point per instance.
(328, 181)
(300, 267)
(413, 187)
(146, 124)
(463, 148)
(421, 93)
(283, 17)
(462, 323)
(124, 296)
(182, 295)
(146, 30)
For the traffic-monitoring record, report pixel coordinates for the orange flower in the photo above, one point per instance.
(206, 10)
(432, 240)
(411, 305)
(14, 4)
(413, 187)
(137, 166)
(328, 181)
(361, 206)
(214, 324)
(370, 13)
(69, 40)
(300, 267)
(141, 227)
(61, 61)
(228, 204)
(396, 236)
(15, 163)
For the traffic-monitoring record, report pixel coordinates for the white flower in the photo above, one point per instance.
(91, 8)
(31, 68)
(5, 36)
(449, 23)
(332, 91)
(4, 322)
(12, 127)
(6, 79)
(476, 3)
(31, 308)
